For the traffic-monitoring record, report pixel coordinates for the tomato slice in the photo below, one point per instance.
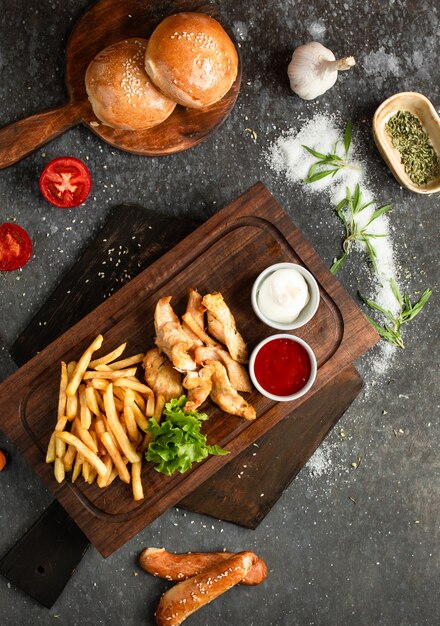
(15, 247)
(65, 182)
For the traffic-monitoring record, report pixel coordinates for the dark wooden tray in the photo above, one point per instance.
(226, 253)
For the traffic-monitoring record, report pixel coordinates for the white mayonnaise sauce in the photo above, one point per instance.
(283, 295)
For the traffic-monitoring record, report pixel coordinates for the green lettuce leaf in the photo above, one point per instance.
(177, 440)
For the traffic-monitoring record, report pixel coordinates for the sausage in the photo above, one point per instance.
(159, 562)
(186, 597)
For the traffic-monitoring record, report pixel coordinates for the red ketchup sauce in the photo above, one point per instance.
(282, 367)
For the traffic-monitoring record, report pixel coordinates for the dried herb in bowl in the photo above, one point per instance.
(418, 156)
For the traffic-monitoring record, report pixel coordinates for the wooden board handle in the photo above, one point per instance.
(23, 137)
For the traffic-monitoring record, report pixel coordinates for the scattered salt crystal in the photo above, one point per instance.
(288, 158)
(320, 462)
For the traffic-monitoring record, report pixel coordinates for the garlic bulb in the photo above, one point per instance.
(314, 69)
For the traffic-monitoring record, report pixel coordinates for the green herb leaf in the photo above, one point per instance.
(396, 292)
(347, 137)
(338, 263)
(407, 312)
(318, 175)
(314, 153)
(332, 159)
(177, 440)
(353, 201)
(378, 213)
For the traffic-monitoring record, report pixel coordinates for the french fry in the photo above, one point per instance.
(83, 450)
(85, 436)
(132, 360)
(62, 398)
(91, 400)
(198, 330)
(140, 418)
(129, 418)
(60, 446)
(120, 466)
(72, 401)
(77, 467)
(112, 476)
(94, 437)
(103, 368)
(126, 383)
(99, 430)
(108, 462)
(59, 471)
(92, 476)
(158, 409)
(119, 392)
(138, 492)
(86, 470)
(82, 365)
(119, 404)
(109, 431)
(123, 424)
(150, 406)
(69, 458)
(50, 454)
(85, 412)
(99, 383)
(108, 358)
(72, 407)
(110, 374)
(116, 428)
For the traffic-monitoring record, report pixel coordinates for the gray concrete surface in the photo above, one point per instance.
(332, 562)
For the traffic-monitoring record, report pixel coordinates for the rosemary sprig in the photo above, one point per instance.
(330, 164)
(392, 332)
(352, 203)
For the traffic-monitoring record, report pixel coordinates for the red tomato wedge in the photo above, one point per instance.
(65, 182)
(15, 247)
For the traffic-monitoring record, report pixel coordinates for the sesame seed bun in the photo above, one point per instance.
(191, 59)
(121, 94)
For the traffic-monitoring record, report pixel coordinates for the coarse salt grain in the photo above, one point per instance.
(287, 157)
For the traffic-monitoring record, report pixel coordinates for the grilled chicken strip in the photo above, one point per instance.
(196, 310)
(171, 338)
(221, 325)
(161, 376)
(199, 387)
(237, 374)
(159, 562)
(225, 396)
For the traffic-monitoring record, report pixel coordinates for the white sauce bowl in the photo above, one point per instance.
(307, 312)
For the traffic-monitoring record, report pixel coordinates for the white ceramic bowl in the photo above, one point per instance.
(303, 390)
(308, 311)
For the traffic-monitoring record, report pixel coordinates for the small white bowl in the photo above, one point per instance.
(308, 311)
(303, 390)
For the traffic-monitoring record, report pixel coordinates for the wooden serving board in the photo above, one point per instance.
(142, 236)
(105, 23)
(226, 253)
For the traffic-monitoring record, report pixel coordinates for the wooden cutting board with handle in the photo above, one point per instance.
(43, 560)
(104, 23)
(143, 236)
(225, 253)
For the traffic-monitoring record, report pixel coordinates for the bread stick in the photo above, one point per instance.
(186, 597)
(159, 562)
